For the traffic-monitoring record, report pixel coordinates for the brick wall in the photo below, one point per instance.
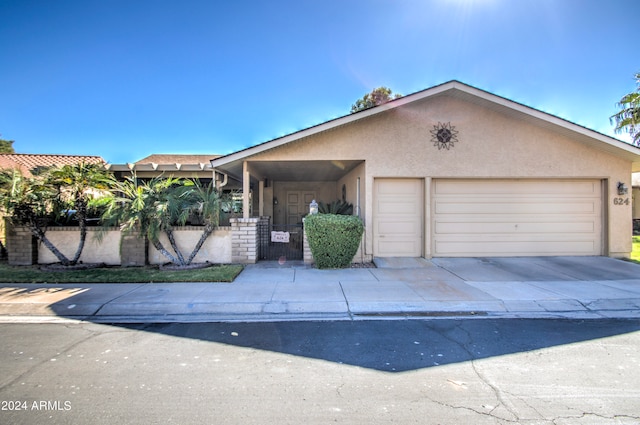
(133, 250)
(22, 247)
(244, 240)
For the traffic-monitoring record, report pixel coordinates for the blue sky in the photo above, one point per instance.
(127, 78)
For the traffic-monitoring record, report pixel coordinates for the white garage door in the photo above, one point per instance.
(516, 217)
(397, 217)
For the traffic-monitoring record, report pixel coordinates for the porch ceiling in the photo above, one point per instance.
(302, 170)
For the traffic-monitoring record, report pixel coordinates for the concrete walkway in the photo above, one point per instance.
(533, 287)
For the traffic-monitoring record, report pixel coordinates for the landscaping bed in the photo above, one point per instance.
(116, 274)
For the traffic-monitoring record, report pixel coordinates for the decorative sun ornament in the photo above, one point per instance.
(444, 135)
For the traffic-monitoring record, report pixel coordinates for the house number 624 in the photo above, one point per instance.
(620, 201)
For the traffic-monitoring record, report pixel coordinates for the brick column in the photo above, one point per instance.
(244, 240)
(133, 250)
(22, 246)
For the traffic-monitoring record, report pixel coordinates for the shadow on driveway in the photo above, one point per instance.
(399, 345)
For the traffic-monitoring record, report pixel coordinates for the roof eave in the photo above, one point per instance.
(586, 135)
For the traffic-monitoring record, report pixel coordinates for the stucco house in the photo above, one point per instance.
(451, 171)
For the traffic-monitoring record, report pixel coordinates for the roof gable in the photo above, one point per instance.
(468, 93)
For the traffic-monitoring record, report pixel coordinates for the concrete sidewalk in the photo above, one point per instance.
(535, 287)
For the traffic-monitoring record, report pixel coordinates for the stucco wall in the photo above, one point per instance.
(66, 240)
(216, 249)
(350, 181)
(491, 144)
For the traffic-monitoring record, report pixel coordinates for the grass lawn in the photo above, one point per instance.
(635, 251)
(149, 274)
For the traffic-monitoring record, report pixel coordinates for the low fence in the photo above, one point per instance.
(110, 247)
(107, 249)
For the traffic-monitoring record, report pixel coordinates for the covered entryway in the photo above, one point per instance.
(398, 217)
(516, 217)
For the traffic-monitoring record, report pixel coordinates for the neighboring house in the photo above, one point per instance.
(30, 164)
(174, 165)
(451, 171)
(184, 166)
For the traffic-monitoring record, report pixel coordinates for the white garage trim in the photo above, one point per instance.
(516, 217)
(398, 218)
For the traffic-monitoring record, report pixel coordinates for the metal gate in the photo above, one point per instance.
(280, 241)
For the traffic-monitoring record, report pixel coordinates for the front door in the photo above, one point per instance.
(298, 205)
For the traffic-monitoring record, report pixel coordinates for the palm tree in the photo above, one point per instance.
(158, 206)
(628, 119)
(204, 201)
(78, 186)
(34, 201)
(140, 207)
(30, 201)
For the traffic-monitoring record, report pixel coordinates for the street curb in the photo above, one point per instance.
(323, 317)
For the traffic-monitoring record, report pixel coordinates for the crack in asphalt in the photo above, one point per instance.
(496, 391)
(587, 414)
(483, 379)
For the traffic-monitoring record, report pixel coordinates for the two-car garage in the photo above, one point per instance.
(487, 217)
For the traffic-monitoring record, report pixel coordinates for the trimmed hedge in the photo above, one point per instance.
(333, 239)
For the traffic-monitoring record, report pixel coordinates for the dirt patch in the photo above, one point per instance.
(192, 266)
(59, 267)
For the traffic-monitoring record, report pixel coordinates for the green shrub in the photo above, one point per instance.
(333, 239)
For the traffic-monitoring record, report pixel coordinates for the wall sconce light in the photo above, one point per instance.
(622, 189)
(275, 201)
(313, 207)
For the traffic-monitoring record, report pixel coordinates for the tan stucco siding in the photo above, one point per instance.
(66, 239)
(491, 144)
(350, 182)
(216, 248)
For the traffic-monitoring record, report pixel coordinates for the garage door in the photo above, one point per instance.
(516, 217)
(397, 217)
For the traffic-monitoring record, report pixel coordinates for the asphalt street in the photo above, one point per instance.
(437, 371)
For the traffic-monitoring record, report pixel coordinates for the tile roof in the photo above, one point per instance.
(177, 159)
(30, 162)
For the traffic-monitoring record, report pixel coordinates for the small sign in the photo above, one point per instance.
(282, 237)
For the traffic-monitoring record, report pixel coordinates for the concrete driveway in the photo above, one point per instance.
(513, 269)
